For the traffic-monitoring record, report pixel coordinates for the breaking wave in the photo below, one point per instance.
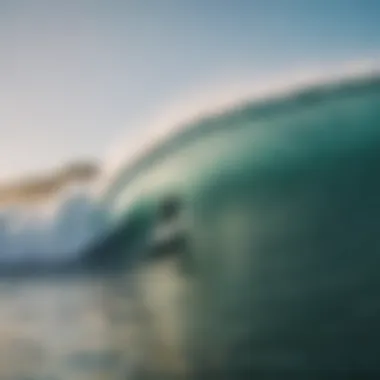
(60, 230)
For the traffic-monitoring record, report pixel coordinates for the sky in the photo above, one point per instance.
(76, 75)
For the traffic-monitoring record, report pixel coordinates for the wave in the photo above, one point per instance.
(216, 98)
(56, 232)
(61, 229)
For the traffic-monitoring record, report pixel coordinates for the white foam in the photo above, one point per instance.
(56, 231)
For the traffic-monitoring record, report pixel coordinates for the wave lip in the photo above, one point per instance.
(293, 91)
(220, 99)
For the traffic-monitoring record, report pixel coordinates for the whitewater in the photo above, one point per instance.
(60, 229)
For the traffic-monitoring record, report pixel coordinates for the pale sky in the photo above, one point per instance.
(76, 74)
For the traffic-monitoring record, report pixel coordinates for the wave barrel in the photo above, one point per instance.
(256, 239)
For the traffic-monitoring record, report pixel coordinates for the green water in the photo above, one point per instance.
(281, 208)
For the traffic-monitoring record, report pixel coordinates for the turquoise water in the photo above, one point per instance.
(281, 212)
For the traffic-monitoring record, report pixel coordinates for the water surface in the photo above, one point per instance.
(65, 328)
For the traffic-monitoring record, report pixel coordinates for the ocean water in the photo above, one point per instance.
(59, 230)
(52, 232)
(66, 329)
